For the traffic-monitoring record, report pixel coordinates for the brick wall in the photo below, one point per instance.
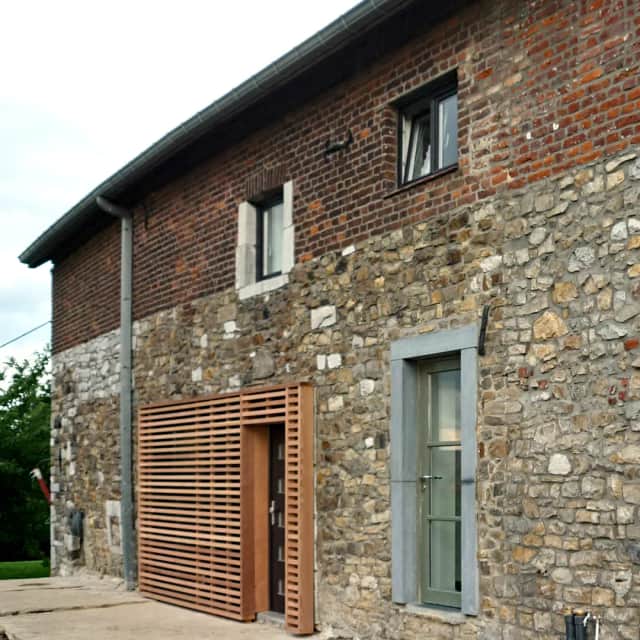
(543, 87)
(86, 290)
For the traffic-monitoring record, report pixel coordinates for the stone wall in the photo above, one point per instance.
(85, 456)
(559, 400)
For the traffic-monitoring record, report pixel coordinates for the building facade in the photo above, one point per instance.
(433, 229)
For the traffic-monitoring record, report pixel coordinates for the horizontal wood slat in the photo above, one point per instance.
(193, 549)
(188, 504)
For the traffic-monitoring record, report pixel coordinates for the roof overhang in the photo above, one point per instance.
(85, 218)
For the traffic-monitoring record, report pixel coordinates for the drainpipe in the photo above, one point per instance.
(126, 480)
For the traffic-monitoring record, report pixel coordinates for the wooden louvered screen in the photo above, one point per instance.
(202, 508)
(189, 504)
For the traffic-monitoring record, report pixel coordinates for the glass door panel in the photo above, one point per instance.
(444, 570)
(439, 480)
(444, 412)
(445, 493)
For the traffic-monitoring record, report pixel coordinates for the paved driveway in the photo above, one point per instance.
(90, 608)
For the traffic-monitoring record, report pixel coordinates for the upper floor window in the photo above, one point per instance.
(429, 130)
(266, 243)
(269, 238)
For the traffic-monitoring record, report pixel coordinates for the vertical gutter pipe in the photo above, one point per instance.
(126, 468)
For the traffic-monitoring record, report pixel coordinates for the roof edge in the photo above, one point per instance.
(301, 58)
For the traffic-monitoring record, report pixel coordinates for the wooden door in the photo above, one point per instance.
(276, 519)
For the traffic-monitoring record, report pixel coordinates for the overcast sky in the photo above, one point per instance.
(86, 86)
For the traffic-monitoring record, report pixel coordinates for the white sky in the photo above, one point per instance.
(86, 86)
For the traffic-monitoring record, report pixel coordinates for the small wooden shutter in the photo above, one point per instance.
(192, 544)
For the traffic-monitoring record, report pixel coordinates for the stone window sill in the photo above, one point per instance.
(407, 186)
(437, 615)
(262, 286)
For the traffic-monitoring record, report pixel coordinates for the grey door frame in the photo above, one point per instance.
(404, 487)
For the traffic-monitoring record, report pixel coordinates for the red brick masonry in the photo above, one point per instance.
(543, 87)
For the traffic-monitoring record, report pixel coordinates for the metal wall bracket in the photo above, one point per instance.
(483, 329)
(338, 145)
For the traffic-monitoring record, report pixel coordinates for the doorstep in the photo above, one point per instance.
(273, 618)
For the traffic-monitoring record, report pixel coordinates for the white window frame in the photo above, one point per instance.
(405, 354)
(247, 285)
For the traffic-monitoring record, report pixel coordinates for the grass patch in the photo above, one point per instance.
(24, 569)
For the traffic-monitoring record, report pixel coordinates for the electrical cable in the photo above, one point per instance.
(26, 333)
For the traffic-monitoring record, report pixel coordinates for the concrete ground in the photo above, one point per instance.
(91, 608)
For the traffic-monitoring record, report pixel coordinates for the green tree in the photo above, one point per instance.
(25, 410)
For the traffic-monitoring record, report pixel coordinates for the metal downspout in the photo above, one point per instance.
(126, 467)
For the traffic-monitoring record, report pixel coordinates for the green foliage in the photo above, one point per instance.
(25, 410)
(28, 569)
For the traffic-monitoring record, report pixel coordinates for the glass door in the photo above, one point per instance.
(276, 519)
(439, 478)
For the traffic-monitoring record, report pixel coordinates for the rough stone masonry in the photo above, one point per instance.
(559, 402)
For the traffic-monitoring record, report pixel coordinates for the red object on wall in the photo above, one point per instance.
(37, 474)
